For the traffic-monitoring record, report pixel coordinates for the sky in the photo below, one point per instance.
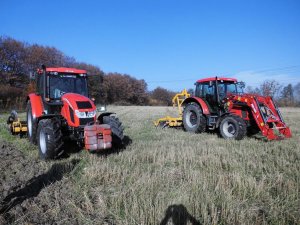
(167, 43)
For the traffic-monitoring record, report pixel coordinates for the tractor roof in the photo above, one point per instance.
(218, 78)
(65, 70)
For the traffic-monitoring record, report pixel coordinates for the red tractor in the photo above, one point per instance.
(220, 104)
(61, 113)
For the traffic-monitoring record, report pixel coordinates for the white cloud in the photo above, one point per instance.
(254, 79)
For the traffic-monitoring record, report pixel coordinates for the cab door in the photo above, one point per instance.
(207, 92)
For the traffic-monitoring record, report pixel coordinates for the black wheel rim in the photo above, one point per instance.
(229, 129)
(191, 118)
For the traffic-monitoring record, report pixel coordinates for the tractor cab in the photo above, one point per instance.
(53, 83)
(214, 90)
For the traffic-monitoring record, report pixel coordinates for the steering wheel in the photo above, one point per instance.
(222, 96)
(58, 93)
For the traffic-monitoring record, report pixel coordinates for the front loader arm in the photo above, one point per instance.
(266, 115)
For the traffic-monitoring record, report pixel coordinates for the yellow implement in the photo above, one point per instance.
(174, 121)
(16, 126)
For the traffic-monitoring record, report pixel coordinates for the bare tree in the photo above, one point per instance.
(270, 88)
(161, 96)
(191, 91)
(124, 89)
(251, 90)
(296, 90)
(287, 96)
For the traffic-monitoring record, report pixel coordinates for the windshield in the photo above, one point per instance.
(226, 89)
(67, 83)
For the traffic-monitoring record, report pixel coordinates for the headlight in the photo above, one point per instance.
(91, 114)
(85, 114)
(80, 114)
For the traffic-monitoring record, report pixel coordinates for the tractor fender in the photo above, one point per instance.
(37, 106)
(100, 117)
(199, 101)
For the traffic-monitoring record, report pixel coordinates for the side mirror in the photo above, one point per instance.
(101, 108)
(240, 87)
(241, 84)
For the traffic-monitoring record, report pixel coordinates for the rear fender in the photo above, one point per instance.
(100, 117)
(200, 102)
(37, 107)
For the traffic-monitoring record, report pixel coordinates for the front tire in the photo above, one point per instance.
(50, 138)
(233, 127)
(116, 129)
(31, 125)
(193, 119)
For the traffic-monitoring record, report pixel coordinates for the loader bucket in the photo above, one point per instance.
(274, 127)
(266, 115)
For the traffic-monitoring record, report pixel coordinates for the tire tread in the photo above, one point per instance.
(202, 123)
(55, 142)
(242, 130)
(116, 128)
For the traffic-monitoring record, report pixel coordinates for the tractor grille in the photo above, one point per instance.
(84, 105)
(85, 121)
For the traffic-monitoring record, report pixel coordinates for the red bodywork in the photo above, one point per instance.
(63, 70)
(199, 101)
(218, 78)
(70, 106)
(37, 106)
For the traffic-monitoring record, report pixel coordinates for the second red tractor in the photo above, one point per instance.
(220, 104)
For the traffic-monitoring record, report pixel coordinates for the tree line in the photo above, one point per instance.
(19, 59)
(285, 95)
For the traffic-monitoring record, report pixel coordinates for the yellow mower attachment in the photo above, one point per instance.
(174, 121)
(16, 126)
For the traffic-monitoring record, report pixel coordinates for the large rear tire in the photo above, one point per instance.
(31, 125)
(193, 118)
(233, 127)
(116, 129)
(50, 141)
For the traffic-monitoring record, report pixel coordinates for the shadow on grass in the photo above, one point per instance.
(117, 148)
(179, 216)
(34, 186)
(69, 148)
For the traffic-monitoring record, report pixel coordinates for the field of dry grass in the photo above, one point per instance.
(168, 174)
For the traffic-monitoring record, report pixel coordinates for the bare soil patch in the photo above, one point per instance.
(23, 183)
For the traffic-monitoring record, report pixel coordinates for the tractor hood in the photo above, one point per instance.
(77, 109)
(78, 102)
